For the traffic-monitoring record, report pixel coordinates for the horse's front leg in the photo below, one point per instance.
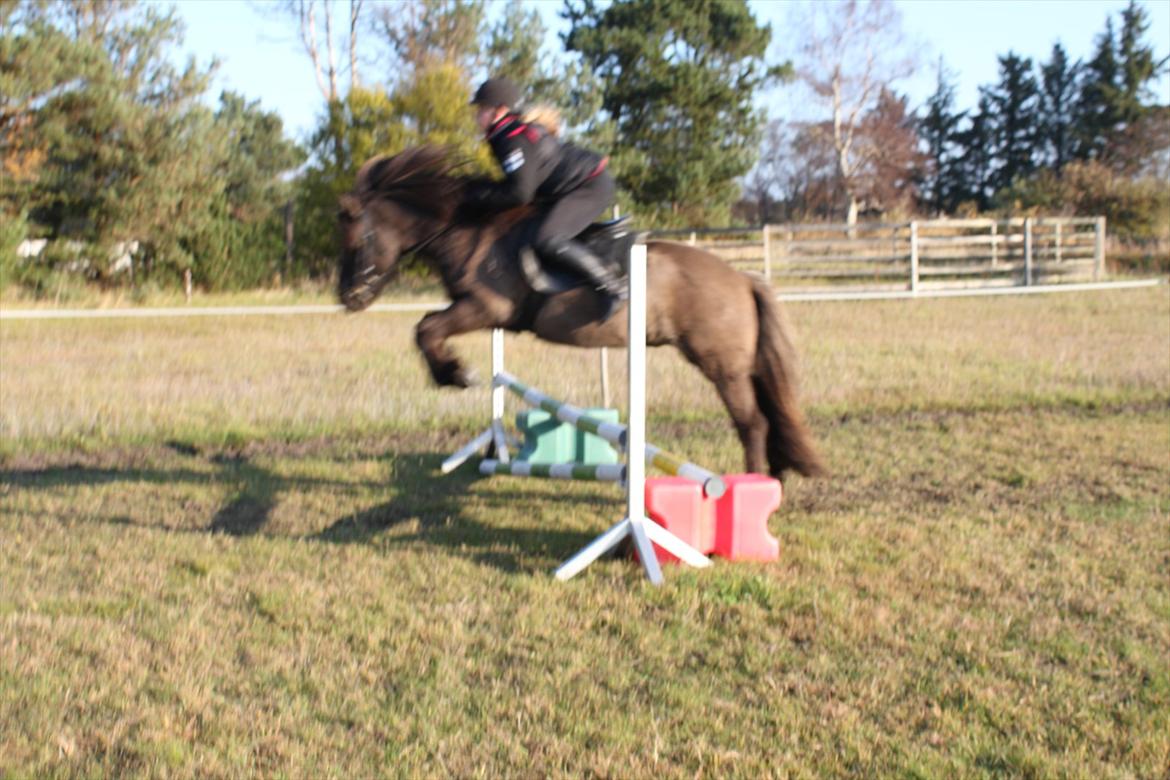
(462, 316)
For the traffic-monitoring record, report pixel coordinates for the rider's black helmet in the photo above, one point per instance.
(497, 91)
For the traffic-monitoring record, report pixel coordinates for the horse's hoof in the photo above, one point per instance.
(455, 375)
(465, 378)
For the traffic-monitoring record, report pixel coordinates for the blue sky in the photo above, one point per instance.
(262, 58)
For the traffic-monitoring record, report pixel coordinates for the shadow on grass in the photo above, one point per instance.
(433, 506)
(245, 513)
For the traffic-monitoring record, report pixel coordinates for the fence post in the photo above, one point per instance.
(1058, 224)
(767, 255)
(789, 237)
(1027, 251)
(893, 246)
(994, 244)
(914, 257)
(1099, 249)
(693, 237)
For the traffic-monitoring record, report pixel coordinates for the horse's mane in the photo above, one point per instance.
(420, 178)
(424, 179)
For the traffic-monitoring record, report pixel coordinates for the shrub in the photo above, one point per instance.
(1137, 209)
(13, 230)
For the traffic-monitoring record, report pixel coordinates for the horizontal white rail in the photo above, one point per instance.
(787, 297)
(207, 311)
(603, 472)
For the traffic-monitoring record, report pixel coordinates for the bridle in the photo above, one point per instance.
(421, 245)
(368, 281)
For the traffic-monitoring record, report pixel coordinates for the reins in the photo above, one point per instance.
(428, 241)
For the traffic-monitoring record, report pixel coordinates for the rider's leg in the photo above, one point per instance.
(567, 218)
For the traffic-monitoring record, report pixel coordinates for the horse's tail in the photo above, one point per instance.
(789, 443)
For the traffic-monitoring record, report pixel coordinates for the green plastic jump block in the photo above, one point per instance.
(548, 440)
(591, 449)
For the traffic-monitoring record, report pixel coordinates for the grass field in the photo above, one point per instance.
(225, 551)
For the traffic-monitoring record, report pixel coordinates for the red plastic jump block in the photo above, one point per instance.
(734, 526)
(678, 505)
(741, 518)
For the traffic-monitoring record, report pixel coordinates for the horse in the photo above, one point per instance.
(724, 322)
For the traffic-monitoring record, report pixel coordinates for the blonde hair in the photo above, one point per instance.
(546, 116)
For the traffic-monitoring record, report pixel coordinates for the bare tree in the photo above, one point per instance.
(795, 177)
(323, 51)
(813, 186)
(849, 51)
(895, 163)
(355, 13)
(761, 185)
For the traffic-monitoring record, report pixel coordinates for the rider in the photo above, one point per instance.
(570, 184)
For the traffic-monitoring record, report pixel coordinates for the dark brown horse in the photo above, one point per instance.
(724, 322)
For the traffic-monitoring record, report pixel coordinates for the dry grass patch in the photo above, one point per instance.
(212, 587)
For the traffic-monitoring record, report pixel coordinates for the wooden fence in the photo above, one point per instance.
(917, 255)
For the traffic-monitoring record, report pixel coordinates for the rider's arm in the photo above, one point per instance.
(517, 156)
(516, 152)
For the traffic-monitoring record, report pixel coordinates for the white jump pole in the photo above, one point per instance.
(635, 523)
(636, 426)
(599, 472)
(495, 434)
(498, 436)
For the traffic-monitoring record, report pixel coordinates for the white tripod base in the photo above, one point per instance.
(495, 435)
(644, 532)
(466, 451)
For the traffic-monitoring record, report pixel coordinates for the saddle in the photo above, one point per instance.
(610, 241)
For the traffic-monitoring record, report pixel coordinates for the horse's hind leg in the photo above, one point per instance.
(739, 396)
(462, 316)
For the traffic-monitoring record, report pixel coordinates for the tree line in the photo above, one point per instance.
(104, 141)
(1060, 136)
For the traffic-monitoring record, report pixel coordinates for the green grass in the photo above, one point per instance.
(225, 551)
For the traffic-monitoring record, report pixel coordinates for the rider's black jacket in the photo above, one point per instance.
(537, 167)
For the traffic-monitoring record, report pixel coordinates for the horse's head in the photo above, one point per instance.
(400, 204)
(372, 240)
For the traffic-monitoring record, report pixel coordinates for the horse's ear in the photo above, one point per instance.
(349, 208)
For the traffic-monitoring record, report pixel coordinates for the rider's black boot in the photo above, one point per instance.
(579, 258)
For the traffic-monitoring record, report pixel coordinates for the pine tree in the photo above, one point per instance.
(1098, 110)
(1058, 96)
(1143, 134)
(975, 163)
(678, 80)
(128, 152)
(1138, 66)
(513, 49)
(109, 142)
(1117, 119)
(242, 241)
(939, 130)
(1014, 104)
